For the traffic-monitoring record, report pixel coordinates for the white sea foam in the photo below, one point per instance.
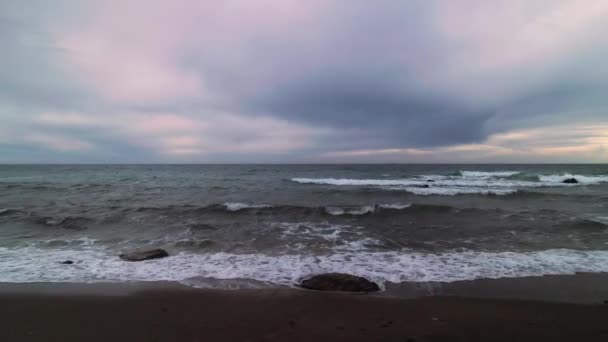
(312, 230)
(395, 206)
(580, 178)
(435, 185)
(358, 182)
(428, 180)
(337, 211)
(83, 241)
(423, 181)
(363, 210)
(468, 182)
(452, 191)
(486, 174)
(235, 206)
(337, 237)
(600, 219)
(99, 265)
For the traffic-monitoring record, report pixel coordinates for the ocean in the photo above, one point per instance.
(250, 226)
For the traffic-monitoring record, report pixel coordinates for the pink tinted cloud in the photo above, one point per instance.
(188, 135)
(124, 74)
(129, 51)
(144, 52)
(58, 142)
(134, 51)
(165, 123)
(501, 49)
(583, 142)
(503, 34)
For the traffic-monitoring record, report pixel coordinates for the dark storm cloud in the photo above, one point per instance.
(385, 69)
(353, 67)
(389, 116)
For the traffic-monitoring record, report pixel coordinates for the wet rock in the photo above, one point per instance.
(67, 262)
(144, 255)
(421, 186)
(570, 181)
(339, 282)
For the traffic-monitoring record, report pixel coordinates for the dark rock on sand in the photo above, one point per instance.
(339, 282)
(144, 255)
(570, 181)
(67, 262)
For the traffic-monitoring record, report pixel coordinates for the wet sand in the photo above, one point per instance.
(170, 312)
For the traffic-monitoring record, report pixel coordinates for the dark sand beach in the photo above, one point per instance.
(171, 312)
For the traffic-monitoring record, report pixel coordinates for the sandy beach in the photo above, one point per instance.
(171, 312)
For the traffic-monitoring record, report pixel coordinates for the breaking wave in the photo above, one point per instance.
(99, 265)
(485, 174)
(457, 191)
(240, 206)
(559, 179)
(465, 182)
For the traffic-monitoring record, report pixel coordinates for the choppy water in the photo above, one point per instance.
(273, 224)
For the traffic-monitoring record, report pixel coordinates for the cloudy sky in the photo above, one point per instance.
(132, 81)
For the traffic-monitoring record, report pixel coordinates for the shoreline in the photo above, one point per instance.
(580, 288)
(172, 312)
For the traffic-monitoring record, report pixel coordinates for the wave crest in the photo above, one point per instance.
(559, 179)
(462, 183)
(486, 174)
(99, 265)
(237, 206)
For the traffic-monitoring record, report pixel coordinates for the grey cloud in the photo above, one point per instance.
(568, 103)
(379, 74)
(374, 60)
(32, 74)
(356, 68)
(387, 115)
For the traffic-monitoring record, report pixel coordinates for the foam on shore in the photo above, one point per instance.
(100, 265)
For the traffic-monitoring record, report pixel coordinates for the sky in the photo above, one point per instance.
(292, 81)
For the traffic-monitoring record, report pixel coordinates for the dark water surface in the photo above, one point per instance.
(248, 225)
